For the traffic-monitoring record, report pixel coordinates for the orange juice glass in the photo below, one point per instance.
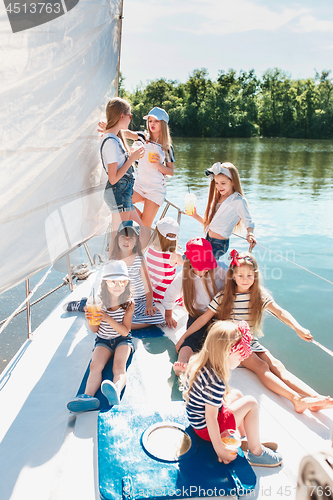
(231, 440)
(151, 155)
(94, 306)
(190, 200)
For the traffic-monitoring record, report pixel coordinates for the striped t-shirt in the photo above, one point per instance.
(105, 331)
(134, 271)
(208, 388)
(241, 310)
(161, 272)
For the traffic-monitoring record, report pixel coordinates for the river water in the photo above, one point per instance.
(289, 186)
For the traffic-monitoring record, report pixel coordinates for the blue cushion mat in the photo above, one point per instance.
(127, 472)
(149, 332)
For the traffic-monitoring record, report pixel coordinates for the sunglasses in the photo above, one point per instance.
(112, 283)
(130, 115)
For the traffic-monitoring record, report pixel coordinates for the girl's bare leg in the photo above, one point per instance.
(100, 357)
(246, 414)
(275, 384)
(287, 377)
(121, 355)
(149, 212)
(137, 326)
(183, 357)
(232, 396)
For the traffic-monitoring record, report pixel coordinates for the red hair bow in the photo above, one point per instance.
(244, 345)
(234, 258)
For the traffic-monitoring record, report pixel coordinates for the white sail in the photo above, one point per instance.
(55, 79)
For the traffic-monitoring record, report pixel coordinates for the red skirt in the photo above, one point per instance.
(225, 419)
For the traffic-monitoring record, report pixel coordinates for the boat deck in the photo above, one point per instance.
(48, 453)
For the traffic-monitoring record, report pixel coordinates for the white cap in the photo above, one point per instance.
(116, 270)
(167, 226)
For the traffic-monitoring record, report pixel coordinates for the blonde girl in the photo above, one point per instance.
(113, 338)
(162, 256)
(198, 283)
(226, 210)
(127, 247)
(154, 163)
(117, 161)
(245, 299)
(211, 406)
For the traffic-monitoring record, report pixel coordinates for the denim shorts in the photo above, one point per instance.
(118, 197)
(112, 344)
(219, 247)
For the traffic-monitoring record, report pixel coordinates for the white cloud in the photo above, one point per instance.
(309, 24)
(217, 17)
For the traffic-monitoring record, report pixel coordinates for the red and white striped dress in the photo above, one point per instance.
(161, 272)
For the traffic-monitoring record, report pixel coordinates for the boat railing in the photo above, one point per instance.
(80, 272)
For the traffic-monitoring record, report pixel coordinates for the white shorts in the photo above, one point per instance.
(155, 193)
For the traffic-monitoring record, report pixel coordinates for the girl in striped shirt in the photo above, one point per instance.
(127, 247)
(113, 338)
(245, 299)
(162, 257)
(211, 406)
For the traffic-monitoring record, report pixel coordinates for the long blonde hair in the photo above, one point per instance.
(222, 336)
(229, 295)
(213, 195)
(164, 243)
(114, 109)
(189, 287)
(165, 138)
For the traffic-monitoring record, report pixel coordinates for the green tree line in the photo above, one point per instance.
(239, 105)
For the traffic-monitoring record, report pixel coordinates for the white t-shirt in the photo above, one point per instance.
(113, 151)
(202, 299)
(231, 210)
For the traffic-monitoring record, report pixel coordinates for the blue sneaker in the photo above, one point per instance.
(83, 402)
(268, 458)
(110, 391)
(75, 305)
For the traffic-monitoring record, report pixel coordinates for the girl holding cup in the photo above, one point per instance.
(211, 406)
(154, 164)
(113, 338)
(117, 162)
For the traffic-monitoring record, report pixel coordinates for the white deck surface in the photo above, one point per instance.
(46, 453)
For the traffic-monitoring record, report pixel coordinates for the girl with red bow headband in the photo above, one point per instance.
(243, 298)
(211, 406)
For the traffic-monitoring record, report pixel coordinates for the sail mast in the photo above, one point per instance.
(121, 17)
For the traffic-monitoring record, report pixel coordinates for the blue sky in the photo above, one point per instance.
(170, 38)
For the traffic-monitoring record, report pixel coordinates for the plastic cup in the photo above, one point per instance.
(152, 150)
(190, 200)
(94, 306)
(231, 440)
(137, 145)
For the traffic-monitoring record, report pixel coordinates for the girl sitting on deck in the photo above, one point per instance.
(226, 208)
(162, 256)
(113, 338)
(127, 247)
(244, 299)
(198, 283)
(117, 162)
(156, 162)
(211, 406)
